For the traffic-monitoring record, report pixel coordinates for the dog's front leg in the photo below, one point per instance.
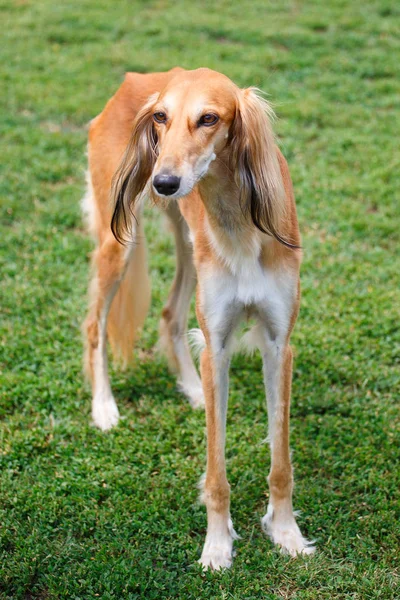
(217, 313)
(217, 551)
(280, 522)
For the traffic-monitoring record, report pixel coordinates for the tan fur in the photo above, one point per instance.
(109, 135)
(235, 199)
(131, 303)
(280, 478)
(216, 484)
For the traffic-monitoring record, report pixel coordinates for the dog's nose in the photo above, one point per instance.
(166, 184)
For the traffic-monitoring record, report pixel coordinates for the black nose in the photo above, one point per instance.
(166, 184)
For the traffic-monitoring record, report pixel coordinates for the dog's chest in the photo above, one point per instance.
(250, 283)
(242, 283)
(252, 289)
(247, 280)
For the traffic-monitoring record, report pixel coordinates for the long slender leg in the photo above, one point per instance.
(217, 551)
(110, 260)
(279, 522)
(173, 326)
(217, 318)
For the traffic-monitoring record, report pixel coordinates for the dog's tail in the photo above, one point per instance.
(248, 344)
(131, 303)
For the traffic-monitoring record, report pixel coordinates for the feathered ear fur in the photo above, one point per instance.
(255, 164)
(134, 171)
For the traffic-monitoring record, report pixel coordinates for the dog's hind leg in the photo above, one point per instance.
(119, 299)
(173, 325)
(109, 263)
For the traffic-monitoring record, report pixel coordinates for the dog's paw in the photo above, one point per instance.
(218, 549)
(105, 413)
(196, 399)
(194, 393)
(216, 558)
(286, 535)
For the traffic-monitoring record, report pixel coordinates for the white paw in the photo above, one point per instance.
(218, 549)
(216, 559)
(194, 394)
(105, 413)
(286, 535)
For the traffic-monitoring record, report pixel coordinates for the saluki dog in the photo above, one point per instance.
(204, 151)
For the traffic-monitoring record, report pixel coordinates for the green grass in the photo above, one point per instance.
(87, 515)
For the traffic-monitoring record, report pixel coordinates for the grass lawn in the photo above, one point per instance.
(90, 515)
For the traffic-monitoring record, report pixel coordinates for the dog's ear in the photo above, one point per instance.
(134, 171)
(255, 163)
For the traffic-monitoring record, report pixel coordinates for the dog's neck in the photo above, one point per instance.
(230, 231)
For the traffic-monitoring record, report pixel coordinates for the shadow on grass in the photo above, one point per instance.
(150, 378)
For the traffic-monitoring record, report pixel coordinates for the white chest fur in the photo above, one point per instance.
(242, 282)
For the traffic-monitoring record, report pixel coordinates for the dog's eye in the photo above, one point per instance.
(208, 119)
(160, 117)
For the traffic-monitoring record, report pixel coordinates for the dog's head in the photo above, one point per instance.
(199, 117)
